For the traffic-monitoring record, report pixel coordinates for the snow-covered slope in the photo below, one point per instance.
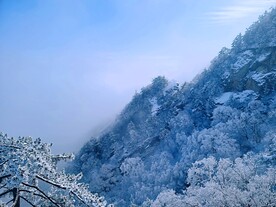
(226, 112)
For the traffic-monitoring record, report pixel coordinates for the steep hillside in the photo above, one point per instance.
(226, 112)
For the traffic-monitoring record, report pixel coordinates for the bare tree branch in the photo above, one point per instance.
(3, 186)
(79, 198)
(28, 201)
(33, 193)
(4, 193)
(9, 201)
(50, 182)
(44, 194)
(4, 176)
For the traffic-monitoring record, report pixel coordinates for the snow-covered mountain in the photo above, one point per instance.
(227, 114)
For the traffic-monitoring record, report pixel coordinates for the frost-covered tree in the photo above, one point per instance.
(238, 42)
(28, 173)
(243, 182)
(210, 142)
(222, 114)
(246, 181)
(168, 198)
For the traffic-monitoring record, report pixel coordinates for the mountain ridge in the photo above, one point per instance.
(225, 112)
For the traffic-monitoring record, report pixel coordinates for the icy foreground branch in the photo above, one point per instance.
(28, 171)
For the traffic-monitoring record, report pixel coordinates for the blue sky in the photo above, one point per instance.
(67, 67)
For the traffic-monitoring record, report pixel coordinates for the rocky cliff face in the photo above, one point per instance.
(227, 111)
(256, 69)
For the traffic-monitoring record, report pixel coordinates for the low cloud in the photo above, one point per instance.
(240, 10)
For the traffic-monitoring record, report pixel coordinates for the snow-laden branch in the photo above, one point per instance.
(26, 164)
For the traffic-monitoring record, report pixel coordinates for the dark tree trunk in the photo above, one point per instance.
(16, 198)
